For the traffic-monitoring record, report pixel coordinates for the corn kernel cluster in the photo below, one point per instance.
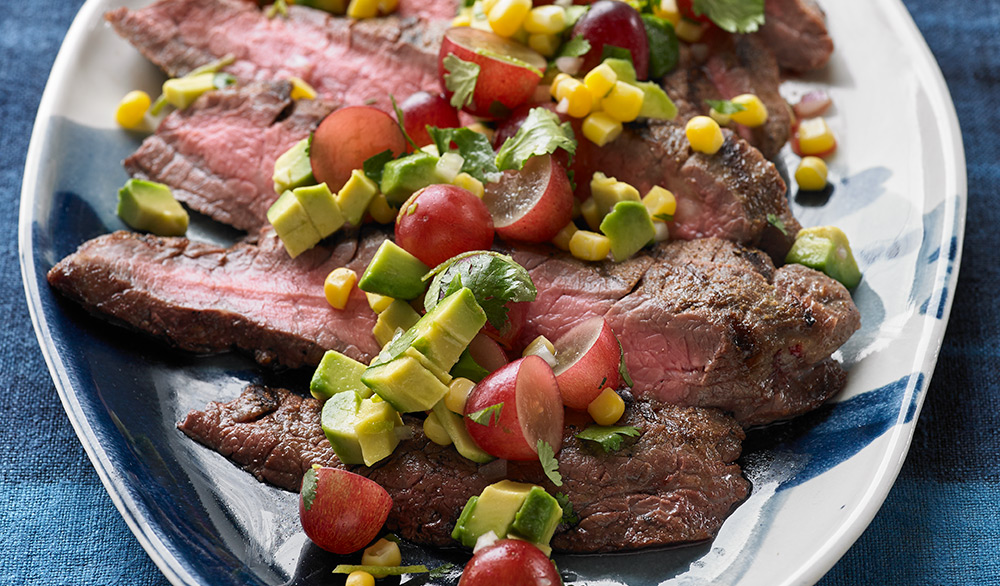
(813, 140)
(601, 99)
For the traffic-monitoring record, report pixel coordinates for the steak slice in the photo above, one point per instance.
(724, 66)
(218, 154)
(734, 194)
(675, 483)
(203, 298)
(710, 323)
(795, 31)
(345, 60)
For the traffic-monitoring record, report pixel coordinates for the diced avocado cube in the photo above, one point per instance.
(405, 384)
(151, 207)
(458, 533)
(494, 510)
(441, 374)
(402, 177)
(629, 228)
(623, 68)
(331, 6)
(826, 249)
(538, 517)
(439, 346)
(463, 442)
(181, 92)
(337, 419)
(460, 315)
(361, 430)
(337, 373)
(655, 102)
(291, 223)
(608, 191)
(321, 207)
(399, 315)
(467, 367)
(395, 273)
(293, 169)
(355, 196)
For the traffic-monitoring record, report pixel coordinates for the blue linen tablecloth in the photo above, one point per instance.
(940, 524)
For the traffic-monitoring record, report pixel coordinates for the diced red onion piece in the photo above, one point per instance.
(813, 104)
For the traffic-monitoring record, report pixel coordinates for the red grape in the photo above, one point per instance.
(440, 221)
(609, 22)
(421, 110)
(348, 137)
(511, 562)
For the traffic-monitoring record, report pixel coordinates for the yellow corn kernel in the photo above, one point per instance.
(458, 394)
(623, 102)
(574, 98)
(561, 241)
(301, 90)
(469, 183)
(688, 30)
(600, 80)
(815, 137)
(811, 174)
(507, 16)
(660, 203)
(607, 408)
(132, 109)
(667, 10)
(754, 113)
(362, 9)
(360, 578)
(704, 135)
(462, 20)
(544, 44)
(591, 214)
(587, 245)
(435, 431)
(600, 129)
(377, 302)
(382, 553)
(387, 6)
(488, 5)
(338, 285)
(556, 82)
(549, 20)
(381, 211)
(537, 345)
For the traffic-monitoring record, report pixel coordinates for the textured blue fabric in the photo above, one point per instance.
(939, 525)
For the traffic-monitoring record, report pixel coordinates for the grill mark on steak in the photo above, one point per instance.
(707, 323)
(218, 154)
(345, 60)
(204, 298)
(675, 483)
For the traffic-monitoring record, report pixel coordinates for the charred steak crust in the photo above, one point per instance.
(203, 298)
(675, 483)
(344, 60)
(192, 150)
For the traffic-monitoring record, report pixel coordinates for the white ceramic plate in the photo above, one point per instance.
(899, 194)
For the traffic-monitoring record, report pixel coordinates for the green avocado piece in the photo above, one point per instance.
(826, 249)
(608, 191)
(337, 373)
(405, 384)
(395, 273)
(623, 68)
(664, 50)
(293, 169)
(321, 207)
(404, 176)
(355, 196)
(151, 207)
(291, 223)
(467, 367)
(493, 510)
(331, 6)
(398, 316)
(361, 430)
(655, 102)
(538, 517)
(463, 442)
(629, 228)
(181, 92)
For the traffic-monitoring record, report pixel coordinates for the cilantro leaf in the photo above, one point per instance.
(494, 279)
(460, 79)
(664, 217)
(476, 150)
(777, 223)
(547, 457)
(569, 517)
(725, 106)
(622, 369)
(309, 486)
(609, 438)
(575, 47)
(664, 49)
(615, 52)
(374, 165)
(484, 415)
(541, 134)
(401, 122)
(573, 13)
(735, 16)
(441, 571)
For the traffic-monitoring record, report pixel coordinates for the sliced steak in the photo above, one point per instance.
(734, 194)
(722, 67)
(675, 483)
(203, 298)
(709, 323)
(345, 60)
(795, 31)
(218, 154)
